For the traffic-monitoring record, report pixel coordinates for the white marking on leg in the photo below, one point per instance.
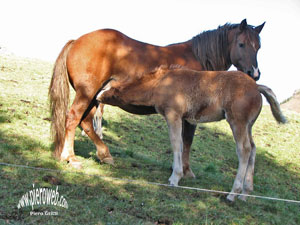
(243, 152)
(97, 121)
(66, 150)
(177, 169)
(248, 182)
(175, 130)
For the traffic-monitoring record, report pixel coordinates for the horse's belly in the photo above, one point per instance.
(206, 117)
(134, 109)
(138, 109)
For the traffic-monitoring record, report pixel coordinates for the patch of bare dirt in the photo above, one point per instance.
(293, 103)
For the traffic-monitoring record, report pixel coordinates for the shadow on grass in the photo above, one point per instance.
(213, 158)
(138, 155)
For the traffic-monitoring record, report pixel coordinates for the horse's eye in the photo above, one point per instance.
(241, 45)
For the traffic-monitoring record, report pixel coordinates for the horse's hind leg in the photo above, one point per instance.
(243, 149)
(248, 182)
(72, 121)
(188, 131)
(80, 104)
(103, 153)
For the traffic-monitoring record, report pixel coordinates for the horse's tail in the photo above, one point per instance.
(59, 93)
(275, 106)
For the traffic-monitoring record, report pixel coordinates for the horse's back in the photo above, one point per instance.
(96, 43)
(105, 52)
(111, 41)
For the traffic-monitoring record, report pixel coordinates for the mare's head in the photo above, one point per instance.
(244, 43)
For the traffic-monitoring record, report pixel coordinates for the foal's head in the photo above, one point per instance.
(244, 44)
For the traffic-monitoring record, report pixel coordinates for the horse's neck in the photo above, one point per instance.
(212, 56)
(225, 67)
(182, 54)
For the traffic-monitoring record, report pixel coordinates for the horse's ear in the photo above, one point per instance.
(243, 25)
(259, 28)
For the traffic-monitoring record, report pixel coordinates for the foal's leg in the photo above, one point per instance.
(97, 120)
(243, 149)
(248, 182)
(103, 153)
(188, 132)
(175, 130)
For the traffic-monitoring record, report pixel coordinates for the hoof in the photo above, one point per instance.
(226, 201)
(230, 198)
(108, 160)
(174, 179)
(172, 183)
(189, 174)
(75, 164)
(243, 198)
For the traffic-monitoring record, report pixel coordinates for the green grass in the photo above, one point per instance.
(141, 149)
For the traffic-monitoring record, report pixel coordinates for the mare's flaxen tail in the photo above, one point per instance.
(275, 106)
(59, 92)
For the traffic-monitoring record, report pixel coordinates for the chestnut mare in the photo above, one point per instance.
(197, 97)
(92, 59)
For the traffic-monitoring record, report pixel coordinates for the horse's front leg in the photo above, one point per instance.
(175, 129)
(188, 132)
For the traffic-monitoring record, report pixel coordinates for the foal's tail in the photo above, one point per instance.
(59, 93)
(275, 107)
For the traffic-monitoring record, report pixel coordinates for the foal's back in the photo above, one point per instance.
(205, 96)
(198, 96)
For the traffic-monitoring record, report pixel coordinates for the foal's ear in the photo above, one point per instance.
(243, 25)
(259, 28)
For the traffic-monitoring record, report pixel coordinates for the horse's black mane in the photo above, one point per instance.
(211, 46)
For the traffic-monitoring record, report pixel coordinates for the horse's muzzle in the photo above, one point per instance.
(254, 73)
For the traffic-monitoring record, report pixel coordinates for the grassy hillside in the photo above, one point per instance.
(142, 151)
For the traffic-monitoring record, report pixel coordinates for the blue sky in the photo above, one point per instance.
(39, 29)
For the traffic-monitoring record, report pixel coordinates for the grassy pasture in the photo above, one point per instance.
(141, 149)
